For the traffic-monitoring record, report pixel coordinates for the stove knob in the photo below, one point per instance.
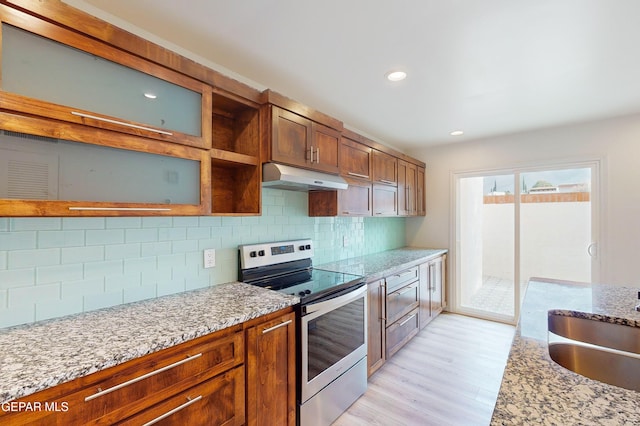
(301, 294)
(308, 247)
(253, 254)
(307, 291)
(301, 248)
(261, 253)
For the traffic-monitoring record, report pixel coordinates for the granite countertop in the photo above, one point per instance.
(378, 265)
(536, 390)
(38, 356)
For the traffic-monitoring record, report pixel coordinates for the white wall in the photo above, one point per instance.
(616, 141)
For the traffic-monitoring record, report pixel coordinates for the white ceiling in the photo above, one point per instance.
(487, 67)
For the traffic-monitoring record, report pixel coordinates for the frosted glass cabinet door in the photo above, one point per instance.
(87, 177)
(101, 90)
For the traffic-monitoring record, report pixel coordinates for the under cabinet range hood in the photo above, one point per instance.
(279, 176)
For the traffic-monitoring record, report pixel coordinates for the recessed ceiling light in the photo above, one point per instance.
(396, 75)
(457, 133)
(150, 95)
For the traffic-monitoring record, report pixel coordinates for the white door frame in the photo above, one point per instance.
(596, 165)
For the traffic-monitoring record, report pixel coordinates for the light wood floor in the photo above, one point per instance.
(449, 374)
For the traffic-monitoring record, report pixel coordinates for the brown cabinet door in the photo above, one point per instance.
(218, 401)
(420, 193)
(407, 180)
(356, 200)
(385, 168)
(271, 372)
(401, 331)
(376, 333)
(355, 160)
(291, 138)
(436, 278)
(385, 200)
(425, 294)
(402, 300)
(325, 148)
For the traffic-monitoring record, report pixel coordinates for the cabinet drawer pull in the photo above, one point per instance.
(386, 181)
(175, 410)
(137, 379)
(407, 320)
(404, 290)
(266, 330)
(358, 175)
(121, 123)
(125, 209)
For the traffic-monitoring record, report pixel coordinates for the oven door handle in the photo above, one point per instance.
(331, 304)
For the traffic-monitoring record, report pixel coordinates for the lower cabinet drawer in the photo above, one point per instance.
(218, 401)
(117, 393)
(402, 300)
(401, 331)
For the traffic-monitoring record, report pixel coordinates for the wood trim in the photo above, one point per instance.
(271, 97)
(350, 134)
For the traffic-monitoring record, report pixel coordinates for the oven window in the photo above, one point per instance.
(334, 335)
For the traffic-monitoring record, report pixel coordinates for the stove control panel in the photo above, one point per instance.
(255, 255)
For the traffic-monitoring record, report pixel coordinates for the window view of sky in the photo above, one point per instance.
(505, 183)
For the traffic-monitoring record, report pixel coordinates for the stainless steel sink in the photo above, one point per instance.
(614, 336)
(602, 351)
(598, 364)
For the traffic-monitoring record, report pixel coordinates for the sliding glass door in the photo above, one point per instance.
(511, 226)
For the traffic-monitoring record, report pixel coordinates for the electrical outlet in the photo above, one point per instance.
(209, 258)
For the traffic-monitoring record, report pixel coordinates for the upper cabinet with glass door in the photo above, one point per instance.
(53, 72)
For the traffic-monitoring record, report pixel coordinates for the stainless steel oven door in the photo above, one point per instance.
(334, 338)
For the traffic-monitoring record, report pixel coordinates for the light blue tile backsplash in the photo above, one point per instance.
(51, 267)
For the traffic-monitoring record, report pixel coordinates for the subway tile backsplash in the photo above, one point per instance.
(51, 267)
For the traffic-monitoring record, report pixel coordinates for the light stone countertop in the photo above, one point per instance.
(37, 356)
(378, 265)
(536, 390)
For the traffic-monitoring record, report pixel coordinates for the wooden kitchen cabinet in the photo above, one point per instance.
(54, 72)
(298, 141)
(376, 292)
(356, 200)
(407, 188)
(356, 160)
(385, 168)
(218, 401)
(432, 289)
(402, 302)
(149, 386)
(421, 208)
(385, 200)
(236, 168)
(52, 168)
(271, 372)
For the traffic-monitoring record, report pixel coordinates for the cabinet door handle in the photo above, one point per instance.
(124, 209)
(175, 410)
(358, 175)
(121, 123)
(407, 320)
(267, 330)
(318, 155)
(386, 181)
(144, 376)
(405, 290)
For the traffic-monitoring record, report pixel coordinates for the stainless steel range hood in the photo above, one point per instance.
(279, 176)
